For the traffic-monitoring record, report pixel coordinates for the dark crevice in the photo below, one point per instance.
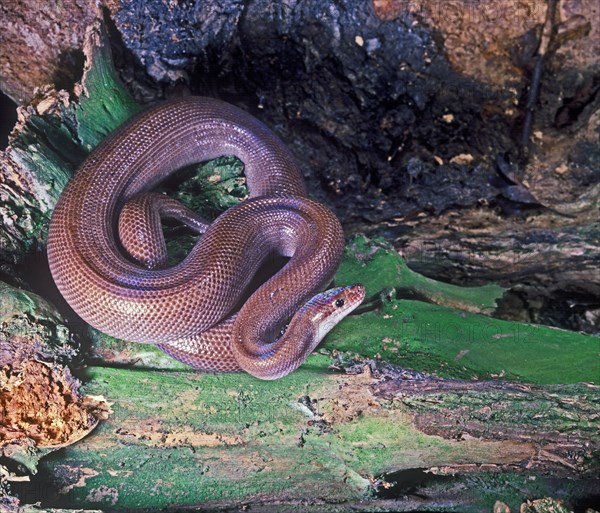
(8, 118)
(410, 482)
(572, 107)
(130, 69)
(69, 69)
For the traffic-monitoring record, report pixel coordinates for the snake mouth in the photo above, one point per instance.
(331, 306)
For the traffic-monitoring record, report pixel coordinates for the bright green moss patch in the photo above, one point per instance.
(186, 438)
(384, 443)
(182, 439)
(446, 339)
(450, 343)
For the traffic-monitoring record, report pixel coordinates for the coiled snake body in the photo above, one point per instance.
(187, 309)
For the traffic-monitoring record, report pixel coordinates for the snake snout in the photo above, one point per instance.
(356, 293)
(345, 299)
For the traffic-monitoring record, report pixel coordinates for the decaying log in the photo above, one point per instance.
(552, 274)
(489, 411)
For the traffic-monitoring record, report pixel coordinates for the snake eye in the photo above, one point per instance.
(339, 303)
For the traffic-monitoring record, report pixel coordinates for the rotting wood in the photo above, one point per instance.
(317, 437)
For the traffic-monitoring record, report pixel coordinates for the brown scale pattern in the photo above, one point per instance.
(184, 309)
(140, 230)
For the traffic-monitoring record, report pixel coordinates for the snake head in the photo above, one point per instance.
(330, 307)
(308, 326)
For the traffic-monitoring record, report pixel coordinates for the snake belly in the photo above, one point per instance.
(174, 306)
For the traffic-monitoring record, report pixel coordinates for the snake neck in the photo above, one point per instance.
(312, 247)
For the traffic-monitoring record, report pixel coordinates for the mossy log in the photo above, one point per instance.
(553, 274)
(348, 428)
(489, 411)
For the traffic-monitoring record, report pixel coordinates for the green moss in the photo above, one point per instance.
(451, 343)
(379, 267)
(31, 327)
(185, 438)
(105, 103)
(45, 149)
(374, 445)
(215, 186)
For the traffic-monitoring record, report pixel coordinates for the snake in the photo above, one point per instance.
(107, 253)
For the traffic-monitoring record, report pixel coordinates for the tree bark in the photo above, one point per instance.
(40, 43)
